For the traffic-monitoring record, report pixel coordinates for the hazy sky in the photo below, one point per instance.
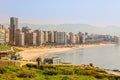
(94, 12)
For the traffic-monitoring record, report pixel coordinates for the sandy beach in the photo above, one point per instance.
(33, 53)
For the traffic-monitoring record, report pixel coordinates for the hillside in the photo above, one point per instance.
(54, 72)
(111, 29)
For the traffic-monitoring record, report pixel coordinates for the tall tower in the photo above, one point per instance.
(13, 27)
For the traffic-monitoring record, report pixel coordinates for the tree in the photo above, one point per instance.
(38, 62)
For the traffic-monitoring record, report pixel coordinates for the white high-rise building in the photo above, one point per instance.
(21, 39)
(2, 35)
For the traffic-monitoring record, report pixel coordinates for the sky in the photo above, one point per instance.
(94, 12)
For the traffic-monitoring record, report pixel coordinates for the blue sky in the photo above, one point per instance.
(94, 12)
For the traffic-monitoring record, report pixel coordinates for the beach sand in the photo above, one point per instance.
(33, 53)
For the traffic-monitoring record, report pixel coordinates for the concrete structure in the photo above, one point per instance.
(26, 29)
(5, 55)
(52, 37)
(38, 37)
(42, 37)
(82, 39)
(17, 32)
(46, 36)
(2, 35)
(49, 36)
(55, 37)
(13, 27)
(30, 39)
(118, 40)
(34, 39)
(21, 39)
(71, 38)
(74, 39)
(61, 38)
(77, 39)
(53, 60)
(7, 36)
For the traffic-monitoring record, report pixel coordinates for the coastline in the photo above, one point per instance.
(33, 53)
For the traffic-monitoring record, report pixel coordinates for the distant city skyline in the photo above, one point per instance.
(93, 12)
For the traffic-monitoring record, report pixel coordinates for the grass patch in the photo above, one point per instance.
(4, 48)
(53, 72)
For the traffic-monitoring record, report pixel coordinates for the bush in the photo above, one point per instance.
(67, 72)
(13, 69)
(51, 72)
(31, 65)
(67, 78)
(3, 70)
(99, 75)
(26, 73)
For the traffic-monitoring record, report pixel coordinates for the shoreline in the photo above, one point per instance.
(33, 53)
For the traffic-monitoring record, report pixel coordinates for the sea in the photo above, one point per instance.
(107, 57)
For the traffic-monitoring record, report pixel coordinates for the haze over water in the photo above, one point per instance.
(107, 57)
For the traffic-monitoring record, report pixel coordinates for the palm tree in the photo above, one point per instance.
(38, 62)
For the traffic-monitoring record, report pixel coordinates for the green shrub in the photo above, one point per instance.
(13, 69)
(30, 65)
(67, 72)
(99, 75)
(67, 78)
(3, 70)
(51, 72)
(27, 73)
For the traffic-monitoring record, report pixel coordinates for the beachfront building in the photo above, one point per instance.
(38, 37)
(61, 38)
(71, 38)
(77, 39)
(52, 37)
(17, 32)
(7, 36)
(55, 37)
(21, 39)
(82, 39)
(42, 37)
(30, 38)
(46, 36)
(13, 27)
(2, 35)
(34, 37)
(49, 36)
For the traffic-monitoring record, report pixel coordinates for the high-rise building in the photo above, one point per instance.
(52, 37)
(77, 38)
(21, 39)
(49, 36)
(46, 36)
(2, 35)
(7, 36)
(38, 37)
(61, 38)
(34, 37)
(28, 39)
(26, 29)
(55, 37)
(17, 32)
(13, 27)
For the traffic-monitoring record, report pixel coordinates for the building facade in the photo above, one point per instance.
(2, 35)
(13, 27)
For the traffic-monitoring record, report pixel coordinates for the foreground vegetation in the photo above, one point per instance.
(3, 48)
(53, 72)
